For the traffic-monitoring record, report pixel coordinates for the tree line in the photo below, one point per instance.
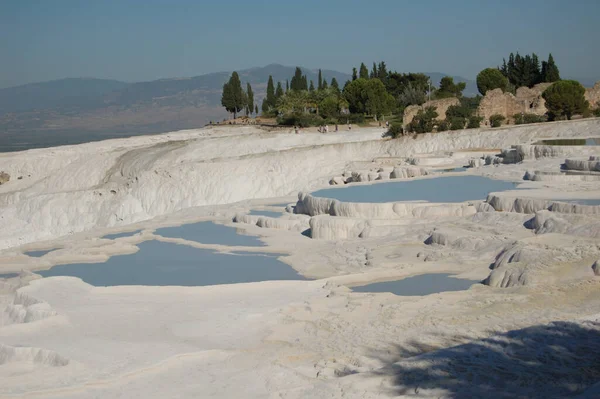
(378, 92)
(369, 93)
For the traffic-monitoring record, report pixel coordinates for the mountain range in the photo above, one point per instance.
(76, 110)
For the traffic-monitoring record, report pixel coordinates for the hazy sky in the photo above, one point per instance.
(150, 39)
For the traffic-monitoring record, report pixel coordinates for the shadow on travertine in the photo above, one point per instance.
(557, 360)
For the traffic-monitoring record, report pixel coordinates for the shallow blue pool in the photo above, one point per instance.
(39, 254)
(210, 233)
(120, 235)
(161, 263)
(424, 284)
(439, 189)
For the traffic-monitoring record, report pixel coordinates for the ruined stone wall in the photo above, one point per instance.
(441, 106)
(497, 102)
(533, 102)
(593, 96)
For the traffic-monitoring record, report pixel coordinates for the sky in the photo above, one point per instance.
(140, 40)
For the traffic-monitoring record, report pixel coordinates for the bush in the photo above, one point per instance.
(458, 111)
(474, 122)
(302, 120)
(496, 120)
(394, 131)
(457, 123)
(596, 112)
(565, 99)
(490, 79)
(423, 122)
(523, 119)
(442, 126)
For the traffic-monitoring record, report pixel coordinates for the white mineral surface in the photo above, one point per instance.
(530, 329)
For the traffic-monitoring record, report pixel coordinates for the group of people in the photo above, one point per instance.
(325, 128)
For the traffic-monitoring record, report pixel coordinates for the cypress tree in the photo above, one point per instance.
(320, 81)
(312, 86)
(364, 72)
(335, 85)
(270, 99)
(304, 84)
(279, 91)
(250, 96)
(324, 84)
(382, 72)
(256, 109)
(296, 83)
(374, 72)
(535, 64)
(233, 97)
(354, 76)
(287, 86)
(552, 73)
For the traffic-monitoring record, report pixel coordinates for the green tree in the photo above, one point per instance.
(330, 107)
(297, 83)
(411, 96)
(250, 97)
(287, 85)
(490, 79)
(424, 121)
(450, 89)
(378, 101)
(311, 88)
(304, 83)
(233, 97)
(279, 91)
(382, 72)
(565, 98)
(335, 85)
(551, 73)
(354, 74)
(354, 93)
(324, 85)
(374, 72)
(320, 81)
(271, 100)
(363, 71)
(256, 109)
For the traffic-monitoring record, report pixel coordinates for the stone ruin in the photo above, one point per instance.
(441, 106)
(527, 101)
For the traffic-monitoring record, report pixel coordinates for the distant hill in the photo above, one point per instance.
(57, 93)
(83, 109)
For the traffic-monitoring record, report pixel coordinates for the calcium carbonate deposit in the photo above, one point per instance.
(528, 327)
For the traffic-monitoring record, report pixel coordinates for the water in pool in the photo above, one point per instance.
(440, 189)
(120, 235)
(39, 254)
(587, 142)
(210, 233)
(161, 263)
(270, 214)
(424, 284)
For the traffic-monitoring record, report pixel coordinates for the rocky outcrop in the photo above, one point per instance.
(313, 206)
(592, 164)
(527, 101)
(4, 177)
(441, 106)
(592, 95)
